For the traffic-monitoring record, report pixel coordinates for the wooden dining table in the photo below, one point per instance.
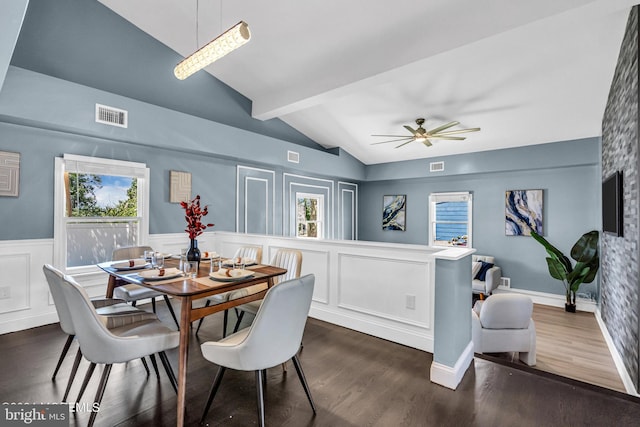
(186, 291)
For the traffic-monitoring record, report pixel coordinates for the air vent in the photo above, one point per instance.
(111, 116)
(436, 166)
(293, 157)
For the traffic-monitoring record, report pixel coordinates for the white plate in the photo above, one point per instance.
(235, 275)
(245, 261)
(169, 273)
(126, 265)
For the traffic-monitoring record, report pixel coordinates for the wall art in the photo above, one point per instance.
(393, 212)
(523, 212)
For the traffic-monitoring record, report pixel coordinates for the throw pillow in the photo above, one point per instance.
(482, 274)
(475, 267)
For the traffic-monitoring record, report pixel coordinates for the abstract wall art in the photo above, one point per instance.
(180, 187)
(523, 212)
(9, 173)
(393, 212)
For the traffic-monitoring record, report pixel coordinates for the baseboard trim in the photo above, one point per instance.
(448, 376)
(617, 359)
(553, 300)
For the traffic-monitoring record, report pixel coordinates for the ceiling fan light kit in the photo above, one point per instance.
(225, 43)
(422, 135)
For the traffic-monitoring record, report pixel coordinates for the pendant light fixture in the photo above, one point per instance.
(225, 43)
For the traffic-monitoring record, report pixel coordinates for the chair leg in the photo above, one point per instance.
(100, 392)
(170, 307)
(65, 349)
(225, 321)
(303, 380)
(133, 303)
(153, 305)
(260, 374)
(72, 376)
(169, 371)
(214, 390)
(146, 367)
(152, 357)
(206, 304)
(240, 315)
(85, 382)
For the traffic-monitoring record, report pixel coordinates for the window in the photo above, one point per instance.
(450, 217)
(309, 215)
(100, 205)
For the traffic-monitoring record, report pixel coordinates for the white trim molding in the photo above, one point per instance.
(448, 376)
(617, 359)
(553, 300)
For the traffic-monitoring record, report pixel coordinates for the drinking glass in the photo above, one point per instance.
(183, 258)
(157, 260)
(238, 263)
(147, 255)
(191, 269)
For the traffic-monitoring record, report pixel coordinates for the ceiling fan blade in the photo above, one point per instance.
(410, 129)
(443, 127)
(410, 138)
(393, 136)
(427, 143)
(452, 132)
(405, 143)
(452, 138)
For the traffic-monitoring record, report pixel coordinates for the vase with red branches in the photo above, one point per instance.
(193, 214)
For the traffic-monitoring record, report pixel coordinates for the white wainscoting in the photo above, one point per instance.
(28, 304)
(361, 285)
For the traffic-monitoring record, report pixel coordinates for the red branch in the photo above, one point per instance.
(193, 215)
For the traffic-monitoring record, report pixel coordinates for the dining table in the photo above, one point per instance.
(186, 290)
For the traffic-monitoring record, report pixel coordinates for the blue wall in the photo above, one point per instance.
(571, 203)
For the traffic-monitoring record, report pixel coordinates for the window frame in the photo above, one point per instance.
(98, 166)
(460, 196)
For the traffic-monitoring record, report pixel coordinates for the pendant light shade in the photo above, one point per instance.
(228, 41)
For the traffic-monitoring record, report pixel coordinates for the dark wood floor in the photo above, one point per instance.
(356, 380)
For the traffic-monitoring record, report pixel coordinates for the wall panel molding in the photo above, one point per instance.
(249, 206)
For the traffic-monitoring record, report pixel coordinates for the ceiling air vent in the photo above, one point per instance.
(111, 116)
(293, 157)
(436, 166)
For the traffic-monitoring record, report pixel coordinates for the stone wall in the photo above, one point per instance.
(619, 299)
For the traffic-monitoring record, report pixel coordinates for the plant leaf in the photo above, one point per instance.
(553, 252)
(556, 269)
(586, 248)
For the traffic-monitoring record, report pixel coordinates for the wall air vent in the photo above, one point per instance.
(111, 116)
(436, 166)
(293, 157)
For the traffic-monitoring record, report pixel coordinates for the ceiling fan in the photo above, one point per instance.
(425, 136)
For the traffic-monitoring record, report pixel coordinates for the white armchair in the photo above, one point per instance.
(491, 278)
(503, 323)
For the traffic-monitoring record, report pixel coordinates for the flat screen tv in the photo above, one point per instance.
(612, 216)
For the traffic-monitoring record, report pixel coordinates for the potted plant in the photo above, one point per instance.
(584, 252)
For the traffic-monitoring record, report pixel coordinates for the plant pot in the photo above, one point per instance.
(193, 254)
(571, 308)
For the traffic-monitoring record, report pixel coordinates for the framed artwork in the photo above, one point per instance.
(9, 173)
(393, 212)
(180, 187)
(523, 212)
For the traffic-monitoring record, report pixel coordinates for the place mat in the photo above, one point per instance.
(162, 282)
(254, 266)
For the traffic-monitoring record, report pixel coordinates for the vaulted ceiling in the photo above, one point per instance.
(526, 72)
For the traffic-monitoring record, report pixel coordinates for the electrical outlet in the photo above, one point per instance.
(505, 282)
(411, 302)
(5, 292)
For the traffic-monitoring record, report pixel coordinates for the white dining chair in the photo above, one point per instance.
(118, 345)
(272, 339)
(246, 252)
(133, 293)
(291, 259)
(112, 312)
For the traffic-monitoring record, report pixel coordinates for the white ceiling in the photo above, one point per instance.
(526, 72)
